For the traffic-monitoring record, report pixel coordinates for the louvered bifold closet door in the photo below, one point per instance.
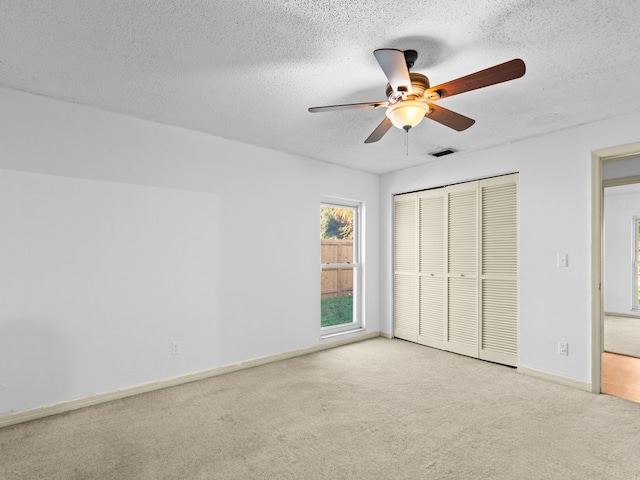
(405, 278)
(462, 272)
(432, 274)
(499, 270)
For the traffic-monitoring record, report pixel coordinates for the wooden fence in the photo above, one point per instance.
(336, 282)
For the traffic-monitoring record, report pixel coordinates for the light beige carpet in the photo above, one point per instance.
(380, 409)
(622, 335)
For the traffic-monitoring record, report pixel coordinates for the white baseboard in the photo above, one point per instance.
(70, 405)
(552, 377)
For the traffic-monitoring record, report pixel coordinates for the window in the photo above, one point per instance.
(340, 267)
(636, 264)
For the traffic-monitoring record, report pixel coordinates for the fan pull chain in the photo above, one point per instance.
(406, 140)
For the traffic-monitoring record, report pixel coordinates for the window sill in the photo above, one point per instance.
(328, 335)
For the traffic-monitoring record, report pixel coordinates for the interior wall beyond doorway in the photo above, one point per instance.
(621, 206)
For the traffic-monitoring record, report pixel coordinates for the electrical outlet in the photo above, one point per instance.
(563, 348)
(562, 260)
(175, 348)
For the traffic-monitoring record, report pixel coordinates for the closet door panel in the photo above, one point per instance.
(499, 229)
(432, 232)
(462, 269)
(433, 303)
(405, 239)
(405, 307)
(432, 238)
(462, 330)
(463, 230)
(405, 282)
(499, 270)
(499, 339)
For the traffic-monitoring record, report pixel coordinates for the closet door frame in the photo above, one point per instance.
(414, 324)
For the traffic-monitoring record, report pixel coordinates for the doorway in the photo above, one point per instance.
(615, 255)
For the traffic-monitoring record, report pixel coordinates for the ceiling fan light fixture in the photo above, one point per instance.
(407, 114)
(411, 96)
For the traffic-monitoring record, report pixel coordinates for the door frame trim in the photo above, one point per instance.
(598, 159)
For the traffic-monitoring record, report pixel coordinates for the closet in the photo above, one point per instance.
(455, 268)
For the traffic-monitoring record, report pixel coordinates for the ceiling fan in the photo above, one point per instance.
(410, 96)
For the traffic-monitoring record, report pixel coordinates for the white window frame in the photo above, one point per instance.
(356, 266)
(635, 263)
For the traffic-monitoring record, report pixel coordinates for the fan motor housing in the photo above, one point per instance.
(419, 84)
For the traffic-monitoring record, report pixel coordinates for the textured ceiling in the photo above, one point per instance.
(248, 70)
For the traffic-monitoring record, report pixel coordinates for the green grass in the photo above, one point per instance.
(336, 310)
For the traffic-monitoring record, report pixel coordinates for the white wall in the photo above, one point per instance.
(619, 210)
(629, 167)
(555, 183)
(120, 236)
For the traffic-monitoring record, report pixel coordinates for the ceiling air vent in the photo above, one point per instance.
(442, 153)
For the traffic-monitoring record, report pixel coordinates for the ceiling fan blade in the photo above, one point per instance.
(491, 76)
(449, 118)
(380, 130)
(348, 106)
(394, 66)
